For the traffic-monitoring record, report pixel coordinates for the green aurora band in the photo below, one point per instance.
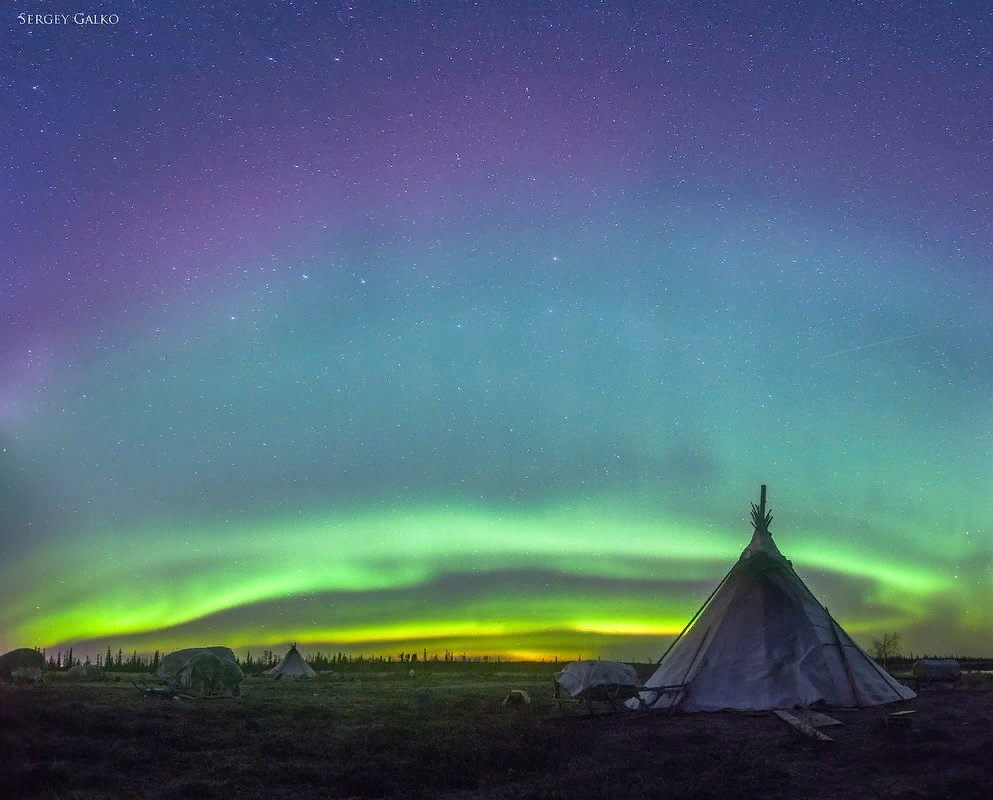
(594, 582)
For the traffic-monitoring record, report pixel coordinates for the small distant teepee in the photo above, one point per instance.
(292, 666)
(763, 641)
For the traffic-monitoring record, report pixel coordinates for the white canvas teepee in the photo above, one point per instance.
(763, 641)
(292, 666)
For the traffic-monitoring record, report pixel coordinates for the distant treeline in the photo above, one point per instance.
(968, 663)
(343, 662)
(250, 665)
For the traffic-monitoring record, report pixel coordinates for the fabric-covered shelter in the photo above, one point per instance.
(203, 671)
(84, 672)
(23, 664)
(292, 666)
(763, 641)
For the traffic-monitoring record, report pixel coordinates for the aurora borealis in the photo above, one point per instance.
(476, 327)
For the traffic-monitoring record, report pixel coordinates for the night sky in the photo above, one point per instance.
(427, 326)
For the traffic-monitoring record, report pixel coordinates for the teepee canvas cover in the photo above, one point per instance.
(292, 666)
(763, 641)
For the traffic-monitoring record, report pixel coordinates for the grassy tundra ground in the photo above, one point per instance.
(444, 733)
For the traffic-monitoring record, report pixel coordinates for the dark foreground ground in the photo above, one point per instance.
(447, 734)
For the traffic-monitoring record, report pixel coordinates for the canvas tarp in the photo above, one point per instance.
(203, 671)
(23, 664)
(937, 669)
(83, 672)
(578, 678)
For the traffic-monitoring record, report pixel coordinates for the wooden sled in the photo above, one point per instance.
(807, 722)
(164, 691)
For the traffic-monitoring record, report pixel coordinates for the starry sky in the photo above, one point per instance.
(475, 327)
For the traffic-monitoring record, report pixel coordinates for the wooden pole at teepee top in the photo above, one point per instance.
(760, 519)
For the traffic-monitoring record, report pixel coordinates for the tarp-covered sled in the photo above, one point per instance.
(596, 681)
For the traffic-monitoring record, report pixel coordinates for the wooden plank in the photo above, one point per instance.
(819, 720)
(804, 727)
(898, 718)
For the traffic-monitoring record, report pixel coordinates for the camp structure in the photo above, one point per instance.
(579, 678)
(22, 665)
(937, 670)
(292, 666)
(596, 680)
(202, 671)
(762, 641)
(84, 672)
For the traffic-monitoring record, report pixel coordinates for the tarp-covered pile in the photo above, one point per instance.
(937, 670)
(23, 664)
(84, 672)
(598, 678)
(203, 671)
